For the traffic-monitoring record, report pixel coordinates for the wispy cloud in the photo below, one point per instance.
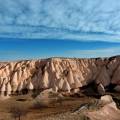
(95, 52)
(98, 19)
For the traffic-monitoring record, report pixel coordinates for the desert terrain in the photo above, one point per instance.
(60, 89)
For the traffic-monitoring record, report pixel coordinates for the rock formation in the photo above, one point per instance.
(48, 96)
(60, 74)
(109, 111)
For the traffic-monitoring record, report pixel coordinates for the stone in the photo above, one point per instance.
(77, 90)
(101, 89)
(106, 99)
(48, 96)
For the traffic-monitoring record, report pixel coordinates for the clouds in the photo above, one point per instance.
(93, 53)
(60, 19)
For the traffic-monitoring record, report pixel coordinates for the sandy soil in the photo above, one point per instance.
(49, 112)
(66, 110)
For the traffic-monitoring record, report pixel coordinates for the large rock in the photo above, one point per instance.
(106, 99)
(109, 111)
(48, 96)
(48, 93)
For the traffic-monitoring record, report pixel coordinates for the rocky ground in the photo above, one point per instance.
(38, 111)
(49, 105)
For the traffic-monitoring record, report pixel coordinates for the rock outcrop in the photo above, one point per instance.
(48, 96)
(60, 74)
(106, 99)
(109, 111)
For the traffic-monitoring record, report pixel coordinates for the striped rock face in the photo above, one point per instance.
(61, 74)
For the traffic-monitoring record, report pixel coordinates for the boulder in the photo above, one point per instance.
(48, 96)
(77, 90)
(106, 99)
(101, 89)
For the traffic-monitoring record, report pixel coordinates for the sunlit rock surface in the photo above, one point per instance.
(109, 111)
(60, 74)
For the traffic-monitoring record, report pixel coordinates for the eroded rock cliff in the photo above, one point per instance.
(61, 74)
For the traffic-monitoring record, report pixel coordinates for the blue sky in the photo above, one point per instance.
(17, 49)
(68, 28)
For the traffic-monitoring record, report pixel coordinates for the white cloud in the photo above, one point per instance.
(67, 16)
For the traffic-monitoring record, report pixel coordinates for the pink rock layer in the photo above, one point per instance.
(61, 74)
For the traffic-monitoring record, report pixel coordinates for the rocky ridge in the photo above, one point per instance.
(60, 74)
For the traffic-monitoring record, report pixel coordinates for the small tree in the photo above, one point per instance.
(18, 111)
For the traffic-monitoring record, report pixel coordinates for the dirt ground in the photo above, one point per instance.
(26, 101)
(56, 111)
